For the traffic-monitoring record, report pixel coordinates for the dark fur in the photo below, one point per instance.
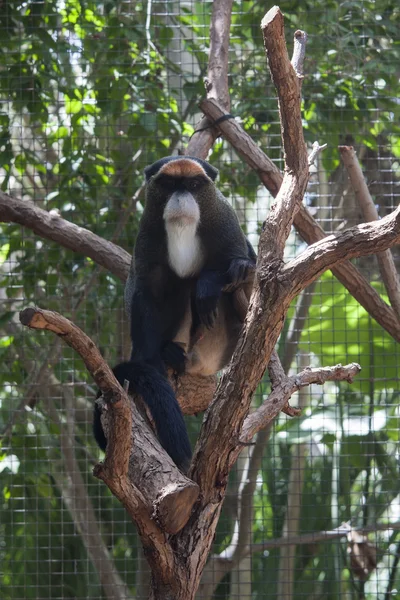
(164, 307)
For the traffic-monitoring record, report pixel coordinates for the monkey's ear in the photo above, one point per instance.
(211, 171)
(149, 171)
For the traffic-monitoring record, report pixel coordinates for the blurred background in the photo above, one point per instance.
(91, 93)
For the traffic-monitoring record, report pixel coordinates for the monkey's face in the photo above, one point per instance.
(182, 190)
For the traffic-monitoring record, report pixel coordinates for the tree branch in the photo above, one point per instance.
(53, 227)
(286, 388)
(361, 240)
(217, 446)
(387, 267)
(277, 227)
(216, 82)
(305, 224)
(321, 536)
(168, 496)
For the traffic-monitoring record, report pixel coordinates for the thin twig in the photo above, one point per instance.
(321, 536)
(316, 149)
(283, 392)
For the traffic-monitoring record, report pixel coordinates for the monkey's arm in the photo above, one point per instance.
(211, 283)
(208, 290)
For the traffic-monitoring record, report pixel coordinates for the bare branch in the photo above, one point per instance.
(217, 79)
(282, 392)
(168, 496)
(52, 227)
(387, 267)
(305, 224)
(316, 149)
(364, 239)
(322, 536)
(277, 227)
(299, 52)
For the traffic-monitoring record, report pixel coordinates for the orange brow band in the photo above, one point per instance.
(182, 168)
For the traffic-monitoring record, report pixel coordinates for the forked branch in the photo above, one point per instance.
(304, 222)
(285, 390)
(132, 449)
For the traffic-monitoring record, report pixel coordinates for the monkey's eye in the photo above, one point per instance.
(193, 183)
(167, 182)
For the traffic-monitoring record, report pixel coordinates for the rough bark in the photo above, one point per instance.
(132, 448)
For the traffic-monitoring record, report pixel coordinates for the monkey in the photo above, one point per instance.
(189, 247)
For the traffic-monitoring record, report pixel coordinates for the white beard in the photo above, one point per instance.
(185, 255)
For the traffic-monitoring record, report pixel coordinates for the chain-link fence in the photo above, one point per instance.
(91, 93)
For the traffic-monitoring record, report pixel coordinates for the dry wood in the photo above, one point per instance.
(360, 240)
(287, 387)
(386, 263)
(305, 224)
(52, 227)
(167, 496)
(216, 82)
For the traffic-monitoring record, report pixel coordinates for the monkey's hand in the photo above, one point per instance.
(174, 356)
(208, 290)
(239, 271)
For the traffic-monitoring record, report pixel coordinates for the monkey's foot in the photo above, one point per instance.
(174, 356)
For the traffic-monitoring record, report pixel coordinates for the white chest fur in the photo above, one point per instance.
(185, 255)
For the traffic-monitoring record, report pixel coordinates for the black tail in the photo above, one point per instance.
(155, 390)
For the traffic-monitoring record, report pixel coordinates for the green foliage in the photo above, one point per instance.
(355, 337)
(90, 93)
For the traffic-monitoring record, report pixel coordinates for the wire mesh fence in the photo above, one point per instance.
(90, 94)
